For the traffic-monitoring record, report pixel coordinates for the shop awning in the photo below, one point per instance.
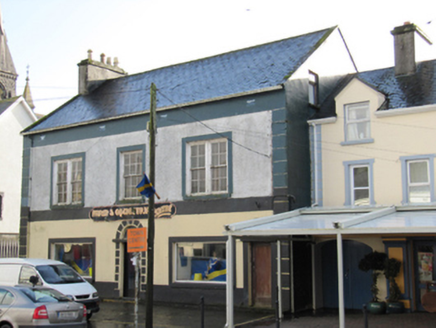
(335, 222)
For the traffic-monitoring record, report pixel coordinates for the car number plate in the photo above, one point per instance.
(67, 315)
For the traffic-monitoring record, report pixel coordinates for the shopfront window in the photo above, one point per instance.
(199, 261)
(77, 254)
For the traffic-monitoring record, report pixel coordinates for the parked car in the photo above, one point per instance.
(26, 306)
(53, 274)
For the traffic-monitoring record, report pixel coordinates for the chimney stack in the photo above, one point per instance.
(92, 73)
(404, 47)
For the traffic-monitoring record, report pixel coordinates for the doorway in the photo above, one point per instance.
(261, 274)
(357, 284)
(129, 274)
(424, 269)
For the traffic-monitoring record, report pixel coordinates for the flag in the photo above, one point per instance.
(145, 187)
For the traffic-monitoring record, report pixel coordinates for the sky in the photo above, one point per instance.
(48, 38)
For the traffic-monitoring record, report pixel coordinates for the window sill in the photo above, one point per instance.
(67, 206)
(357, 142)
(130, 201)
(207, 197)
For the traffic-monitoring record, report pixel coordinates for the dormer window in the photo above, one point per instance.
(313, 88)
(357, 122)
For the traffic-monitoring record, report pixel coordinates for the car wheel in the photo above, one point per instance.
(88, 316)
(5, 325)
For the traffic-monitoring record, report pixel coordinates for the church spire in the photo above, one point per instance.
(8, 74)
(27, 95)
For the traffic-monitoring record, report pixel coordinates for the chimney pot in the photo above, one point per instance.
(116, 62)
(102, 56)
(89, 54)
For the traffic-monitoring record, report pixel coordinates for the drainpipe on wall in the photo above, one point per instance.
(315, 165)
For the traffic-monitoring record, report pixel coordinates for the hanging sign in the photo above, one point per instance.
(136, 240)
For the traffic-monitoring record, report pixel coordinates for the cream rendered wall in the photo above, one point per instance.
(104, 232)
(12, 121)
(408, 133)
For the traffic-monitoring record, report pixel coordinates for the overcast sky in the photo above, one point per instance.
(53, 36)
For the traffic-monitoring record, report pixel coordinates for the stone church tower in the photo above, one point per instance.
(8, 74)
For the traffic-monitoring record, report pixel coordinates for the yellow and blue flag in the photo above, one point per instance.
(145, 187)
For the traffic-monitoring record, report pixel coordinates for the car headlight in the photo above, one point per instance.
(94, 295)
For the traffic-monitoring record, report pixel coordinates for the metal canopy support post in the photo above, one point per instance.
(230, 282)
(340, 281)
(279, 277)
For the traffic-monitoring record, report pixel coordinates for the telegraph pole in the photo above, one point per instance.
(150, 236)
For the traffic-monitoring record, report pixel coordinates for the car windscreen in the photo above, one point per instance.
(44, 295)
(59, 274)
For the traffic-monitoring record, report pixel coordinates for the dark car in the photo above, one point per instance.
(25, 306)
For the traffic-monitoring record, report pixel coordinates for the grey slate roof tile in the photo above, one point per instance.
(227, 74)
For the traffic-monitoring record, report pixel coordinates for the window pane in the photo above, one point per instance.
(357, 131)
(76, 181)
(76, 255)
(62, 174)
(200, 261)
(361, 177)
(361, 197)
(419, 194)
(418, 172)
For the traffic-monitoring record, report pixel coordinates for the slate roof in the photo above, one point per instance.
(231, 73)
(405, 91)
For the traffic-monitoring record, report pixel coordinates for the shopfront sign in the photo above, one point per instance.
(124, 212)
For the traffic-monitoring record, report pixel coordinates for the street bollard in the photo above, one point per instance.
(202, 310)
(365, 316)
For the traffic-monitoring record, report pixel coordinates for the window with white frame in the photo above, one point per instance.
(360, 188)
(131, 166)
(68, 181)
(202, 261)
(418, 181)
(313, 88)
(208, 167)
(357, 121)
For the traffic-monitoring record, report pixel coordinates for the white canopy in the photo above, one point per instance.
(330, 221)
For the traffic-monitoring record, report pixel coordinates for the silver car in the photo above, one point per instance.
(25, 306)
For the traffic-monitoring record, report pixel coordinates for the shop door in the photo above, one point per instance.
(261, 273)
(129, 274)
(424, 271)
(357, 284)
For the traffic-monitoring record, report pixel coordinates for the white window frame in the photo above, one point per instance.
(208, 167)
(123, 178)
(406, 161)
(366, 121)
(353, 187)
(350, 185)
(69, 181)
(411, 184)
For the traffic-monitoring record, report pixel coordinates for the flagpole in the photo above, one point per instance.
(150, 243)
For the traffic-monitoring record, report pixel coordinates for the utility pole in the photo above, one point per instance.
(150, 236)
